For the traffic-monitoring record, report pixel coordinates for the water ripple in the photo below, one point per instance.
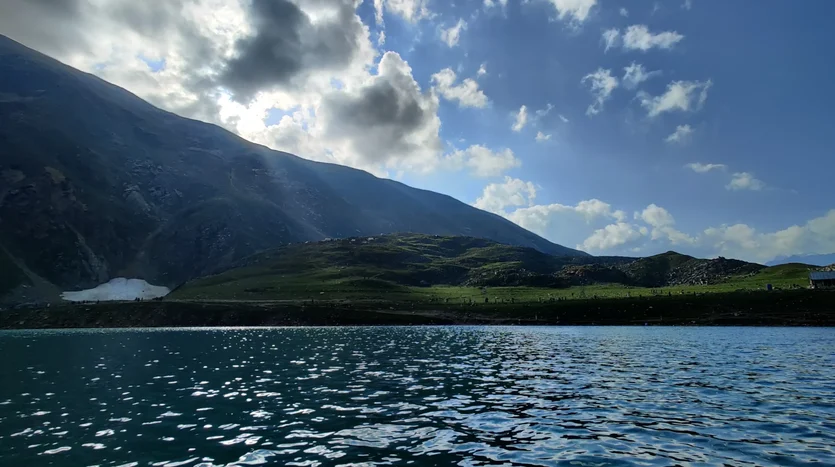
(419, 396)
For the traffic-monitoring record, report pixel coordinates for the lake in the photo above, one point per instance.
(468, 396)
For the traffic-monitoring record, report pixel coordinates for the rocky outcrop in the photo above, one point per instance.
(593, 274)
(514, 278)
(672, 268)
(710, 271)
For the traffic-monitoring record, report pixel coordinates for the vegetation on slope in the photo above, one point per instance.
(387, 264)
(789, 308)
(463, 269)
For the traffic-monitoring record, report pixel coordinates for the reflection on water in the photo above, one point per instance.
(418, 396)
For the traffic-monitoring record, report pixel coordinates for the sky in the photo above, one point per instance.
(616, 127)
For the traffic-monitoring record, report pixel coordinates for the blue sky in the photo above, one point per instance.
(768, 110)
(764, 114)
(716, 141)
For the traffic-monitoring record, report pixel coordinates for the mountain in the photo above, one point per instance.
(814, 260)
(95, 183)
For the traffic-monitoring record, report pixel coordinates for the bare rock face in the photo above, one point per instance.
(96, 183)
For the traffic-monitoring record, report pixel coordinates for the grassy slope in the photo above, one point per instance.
(392, 268)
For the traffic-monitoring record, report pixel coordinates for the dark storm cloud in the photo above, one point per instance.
(286, 44)
(273, 54)
(383, 104)
(384, 117)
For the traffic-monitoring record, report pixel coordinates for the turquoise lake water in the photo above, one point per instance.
(467, 396)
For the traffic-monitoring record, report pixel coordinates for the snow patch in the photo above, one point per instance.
(119, 288)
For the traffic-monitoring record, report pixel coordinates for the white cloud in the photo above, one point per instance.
(638, 37)
(563, 118)
(656, 216)
(543, 112)
(575, 10)
(107, 39)
(682, 135)
(542, 137)
(745, 181)
(656, 7)
(680, 95)
(704, 168)
(565, 224)
(816, 236)
(587, 210)
(610, 38)
(480, 161)
(482, 70)
(521, 119)
(595, 226)
(602, 85)
(378, 11)
(466, 93)
(688, 4)
(492, 3)
(634, 74)
(381, 38)
(612, 236)
(662, 225)
(624, 12)
(511, 193)
(411, 11)
(452, 35)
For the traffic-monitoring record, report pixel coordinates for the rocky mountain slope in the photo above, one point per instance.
(672, 268)
(96, 183)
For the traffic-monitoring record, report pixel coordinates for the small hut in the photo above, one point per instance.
(822, 279)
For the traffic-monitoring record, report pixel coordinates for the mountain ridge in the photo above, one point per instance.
(97, 183)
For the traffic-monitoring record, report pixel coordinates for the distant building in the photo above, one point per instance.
(822, 279)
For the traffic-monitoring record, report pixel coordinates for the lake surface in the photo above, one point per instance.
(418, 396)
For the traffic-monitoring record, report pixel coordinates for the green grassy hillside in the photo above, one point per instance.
(377, 266)
(459, 269)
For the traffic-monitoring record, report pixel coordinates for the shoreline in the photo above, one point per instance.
(776, 308)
